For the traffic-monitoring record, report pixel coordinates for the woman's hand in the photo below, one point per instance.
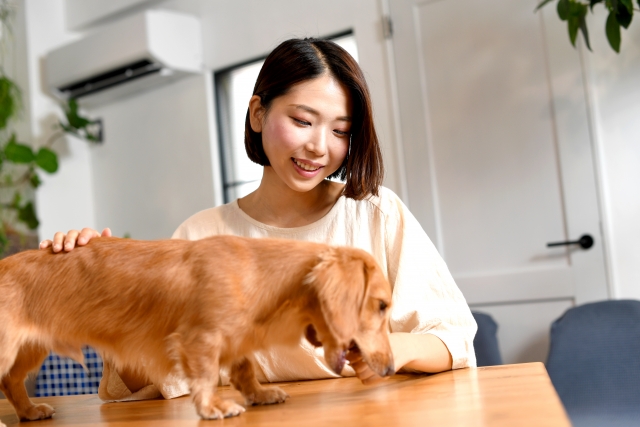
(411, 352)
(72, 239)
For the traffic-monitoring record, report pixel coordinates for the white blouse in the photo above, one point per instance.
(426, 300)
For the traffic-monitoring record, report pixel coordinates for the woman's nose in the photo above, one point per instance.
(318, 143)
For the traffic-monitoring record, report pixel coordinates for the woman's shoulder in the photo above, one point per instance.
(205, 223)
(385, 202)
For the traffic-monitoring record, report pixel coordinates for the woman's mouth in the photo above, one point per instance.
(305, 166)
(305, 169)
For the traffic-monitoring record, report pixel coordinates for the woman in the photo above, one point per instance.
(310, 119)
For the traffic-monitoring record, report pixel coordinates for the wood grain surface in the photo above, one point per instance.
(506, 395)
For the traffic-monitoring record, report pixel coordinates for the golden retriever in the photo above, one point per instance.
(190, 307)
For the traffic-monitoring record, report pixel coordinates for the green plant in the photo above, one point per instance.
(575, 13)
(20, 164)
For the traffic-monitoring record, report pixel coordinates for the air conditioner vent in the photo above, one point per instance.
(110, 78)
(131, 55)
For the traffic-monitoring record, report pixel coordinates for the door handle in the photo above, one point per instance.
(585, 241)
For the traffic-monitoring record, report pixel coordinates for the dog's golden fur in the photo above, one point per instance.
(191, 307)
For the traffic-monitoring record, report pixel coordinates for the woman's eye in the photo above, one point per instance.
(301, 122)
(341, 133)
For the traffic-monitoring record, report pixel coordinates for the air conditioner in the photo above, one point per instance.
(129, 56)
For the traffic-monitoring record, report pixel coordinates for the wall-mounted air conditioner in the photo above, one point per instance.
(129, 56)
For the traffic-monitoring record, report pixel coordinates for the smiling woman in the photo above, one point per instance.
(310, 118)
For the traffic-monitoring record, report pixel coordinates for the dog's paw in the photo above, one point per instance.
(266, 396)
(37, 412)
(223, 409)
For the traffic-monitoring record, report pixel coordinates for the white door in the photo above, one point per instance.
(497, 152)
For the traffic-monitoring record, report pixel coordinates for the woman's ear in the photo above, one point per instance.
(256, 113)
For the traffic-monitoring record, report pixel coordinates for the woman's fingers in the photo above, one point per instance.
(72, 239)
(85, 235)
(58, 241)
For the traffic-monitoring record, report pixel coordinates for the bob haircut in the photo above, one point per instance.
(297, 60)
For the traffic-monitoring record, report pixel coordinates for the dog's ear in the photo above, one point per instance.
(339, 279)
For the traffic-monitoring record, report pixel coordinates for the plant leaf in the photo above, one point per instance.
(545, 2)
(18, 153)
(34, 180)
(628, 5)
(563, 9)
(573, 24)
(585, 32)
(623, 16)
(593, 3)
(27, 214)
(15, 202)
(613, 31)
(74, 118)
(9, 100)
(47, 160)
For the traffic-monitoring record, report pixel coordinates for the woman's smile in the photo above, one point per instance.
(306, 168)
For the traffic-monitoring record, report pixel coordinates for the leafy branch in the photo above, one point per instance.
(575, 13)
(25, 158)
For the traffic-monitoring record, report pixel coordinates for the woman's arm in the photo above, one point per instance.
(419, 352)
(413, 352)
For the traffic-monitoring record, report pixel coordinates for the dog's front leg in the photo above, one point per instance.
(29, 358)
(244, 379)
(200, 360)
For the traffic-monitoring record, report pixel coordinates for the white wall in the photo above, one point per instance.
(614, 88)
(65, 199)
(154, 169)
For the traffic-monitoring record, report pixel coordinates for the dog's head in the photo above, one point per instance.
(354, 299)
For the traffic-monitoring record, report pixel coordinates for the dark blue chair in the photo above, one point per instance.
(485, 342)
(61, 376)
(594, 363)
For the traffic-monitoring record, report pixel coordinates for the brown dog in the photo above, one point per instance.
(191, 307)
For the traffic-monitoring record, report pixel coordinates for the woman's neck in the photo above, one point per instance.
(275, 204)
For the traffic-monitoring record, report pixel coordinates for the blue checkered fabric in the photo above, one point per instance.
(60, 376)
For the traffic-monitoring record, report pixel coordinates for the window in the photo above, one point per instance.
(234, 86)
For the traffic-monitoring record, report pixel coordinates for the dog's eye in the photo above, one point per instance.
(383, 306)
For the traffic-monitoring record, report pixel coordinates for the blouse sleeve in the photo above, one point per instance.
(425, 296)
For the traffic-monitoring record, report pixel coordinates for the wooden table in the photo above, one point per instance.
(507, 395)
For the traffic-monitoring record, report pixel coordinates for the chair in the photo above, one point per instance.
(594, 363)
(485, 342)
(60, 376)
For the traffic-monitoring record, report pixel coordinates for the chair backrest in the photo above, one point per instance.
(60, 376)
(594, 360)
(485, 342)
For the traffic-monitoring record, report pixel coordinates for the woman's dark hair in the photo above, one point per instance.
(297, 60)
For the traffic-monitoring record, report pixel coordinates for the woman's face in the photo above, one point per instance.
(305, 133)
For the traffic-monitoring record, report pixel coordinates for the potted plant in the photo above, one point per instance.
(20, 163)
